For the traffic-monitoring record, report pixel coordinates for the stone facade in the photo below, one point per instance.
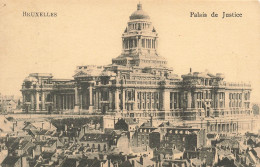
(139, 84)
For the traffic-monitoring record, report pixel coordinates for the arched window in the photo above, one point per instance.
(98, 147)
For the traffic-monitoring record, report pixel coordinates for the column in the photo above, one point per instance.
(68, 98)
(166, 100)
(242, 99)
(110, 100)
(195, 99)
(123, 99)
(189, 100)
(227, 128)
(90, 95)
(172, 101)
(80, 99)
(32, 101)
(135, 101)
(76, 105)
(64, 102)
(54, 102)
(177, 100)
(72, 101)
(137, 42)
(96, 99)
(58, 102)
(217, 99)
(43, 101)
(37, 101)
(116, 100)
(67, 102)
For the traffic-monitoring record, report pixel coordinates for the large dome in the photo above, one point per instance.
(139, 14)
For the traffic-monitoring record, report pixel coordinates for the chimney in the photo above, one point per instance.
(190, 70)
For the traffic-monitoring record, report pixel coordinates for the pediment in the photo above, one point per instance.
(80, 73)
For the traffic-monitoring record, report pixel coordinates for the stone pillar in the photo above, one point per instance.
(135, 101)
(54, 102)
(195, 100)
(68, 101)
(177, 100)
(217, 100)
(37, 101)
(63, 102)
(76, 106)
(123, 99)
(32, 101)
(80, 100)
(43, 101)
(58, 102)
(116, 99)
(166, 100)
(96, 99)
(90, 97)
(73, 101)
(68, 104)
(189, 100)
(172, 101)
(110, 100)
(242, 99)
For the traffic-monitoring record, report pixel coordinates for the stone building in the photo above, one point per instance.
(139, 84)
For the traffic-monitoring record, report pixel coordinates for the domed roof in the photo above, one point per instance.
(30, 79)
(139, 14)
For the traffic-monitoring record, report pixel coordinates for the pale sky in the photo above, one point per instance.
(89, 32)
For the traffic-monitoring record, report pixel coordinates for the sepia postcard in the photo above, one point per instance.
(150, 83)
